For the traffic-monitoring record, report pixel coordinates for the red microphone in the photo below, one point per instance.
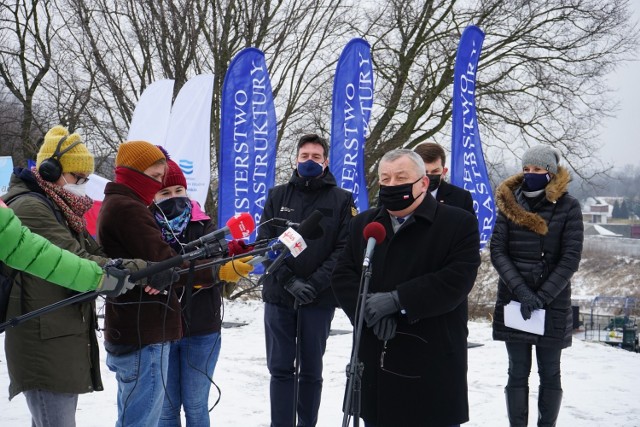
(239, 226)
(375, 234)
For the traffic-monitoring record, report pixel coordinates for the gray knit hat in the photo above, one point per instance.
(542, 156)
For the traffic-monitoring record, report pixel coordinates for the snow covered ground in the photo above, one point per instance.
(600, 383)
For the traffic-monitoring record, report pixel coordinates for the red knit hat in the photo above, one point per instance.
(174, 175)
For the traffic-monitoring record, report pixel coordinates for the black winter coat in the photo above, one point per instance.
(295, 201)
(432, 262)
(202, 315)
(451, 195)
(540, 247)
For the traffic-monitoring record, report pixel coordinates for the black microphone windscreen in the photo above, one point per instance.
(309, 227)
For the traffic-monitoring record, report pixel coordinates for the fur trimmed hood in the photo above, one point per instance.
(508, 204)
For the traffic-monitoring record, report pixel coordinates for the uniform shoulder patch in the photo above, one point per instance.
(354, 211)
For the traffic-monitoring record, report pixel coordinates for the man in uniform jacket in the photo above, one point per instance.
(414, 343)
(435, 159)
(305, 280)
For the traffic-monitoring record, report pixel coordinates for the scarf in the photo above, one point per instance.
(143, 185)
(73, 207)
(174, 227)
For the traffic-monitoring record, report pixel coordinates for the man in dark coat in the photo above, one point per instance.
(414, 344)
(303, 280)
(435, 159)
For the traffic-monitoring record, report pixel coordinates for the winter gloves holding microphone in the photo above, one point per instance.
(529, 301)
(379, 313)
(234, 270)
(115, 280)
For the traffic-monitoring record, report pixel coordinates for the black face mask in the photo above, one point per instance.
(397, 197)
(434, 182)
(173, 206)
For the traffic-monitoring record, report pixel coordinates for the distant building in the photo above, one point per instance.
(599, 210)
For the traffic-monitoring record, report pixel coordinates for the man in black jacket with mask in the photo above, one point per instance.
(435, 159)
(299, 303)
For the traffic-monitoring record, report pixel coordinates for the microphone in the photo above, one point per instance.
(239, 226)
(286, 223)
(294, 241)
(375, 234)
(157, 267)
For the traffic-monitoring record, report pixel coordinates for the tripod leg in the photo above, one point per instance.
(296, 371)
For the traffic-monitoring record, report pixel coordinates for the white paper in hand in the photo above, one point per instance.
(513, 319)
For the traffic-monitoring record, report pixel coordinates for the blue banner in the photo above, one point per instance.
(468, 169)
(352, 103)
(247, 138)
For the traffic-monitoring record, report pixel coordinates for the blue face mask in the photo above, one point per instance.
(309, 169)
(536, 181)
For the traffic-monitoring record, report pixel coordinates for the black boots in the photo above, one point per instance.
(517, 405)
(548, 406)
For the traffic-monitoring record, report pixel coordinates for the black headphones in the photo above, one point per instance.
(50, 169)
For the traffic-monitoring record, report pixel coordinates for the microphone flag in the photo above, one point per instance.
(188, 139)
(352, 103)
(247, 137)
(468, 168)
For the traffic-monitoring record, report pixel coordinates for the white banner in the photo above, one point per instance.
(6, 169)
(189, 137)
(151, 116)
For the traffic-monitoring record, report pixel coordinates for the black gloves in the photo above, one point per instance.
(385, 329)
(115, 280)
(165, 278)
(379, 305)
(529, 301)
(303, 292)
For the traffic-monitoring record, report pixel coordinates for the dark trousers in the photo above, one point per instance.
(280, 325)
(520, 365)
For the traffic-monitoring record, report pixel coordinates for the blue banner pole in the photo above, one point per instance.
(468, 168)
(352, 103)
(248, 135)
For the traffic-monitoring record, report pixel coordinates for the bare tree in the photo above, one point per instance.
(25, 59)
(540, 77)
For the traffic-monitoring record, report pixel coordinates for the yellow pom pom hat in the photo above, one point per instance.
(77, 160)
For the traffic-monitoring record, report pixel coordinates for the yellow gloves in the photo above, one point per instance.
(234, 270)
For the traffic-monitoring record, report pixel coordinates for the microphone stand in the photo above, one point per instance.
(203, 252)
(85, 296)
(355, 367)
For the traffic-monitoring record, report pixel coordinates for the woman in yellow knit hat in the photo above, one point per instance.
(63, 357)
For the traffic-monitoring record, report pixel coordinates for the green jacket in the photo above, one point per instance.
(29, 252)
(57, 351)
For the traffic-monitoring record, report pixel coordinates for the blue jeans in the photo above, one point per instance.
(49, 409)
(141, 376)
(280, 334)
(192, 361)
(520, 365)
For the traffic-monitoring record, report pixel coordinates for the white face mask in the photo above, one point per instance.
(77, 189)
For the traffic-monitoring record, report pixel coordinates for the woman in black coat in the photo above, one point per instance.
(536, 248)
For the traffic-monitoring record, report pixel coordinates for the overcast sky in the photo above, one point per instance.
(620, 136)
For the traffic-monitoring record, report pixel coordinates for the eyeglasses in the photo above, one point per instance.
(79, 179)
(416, 340)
